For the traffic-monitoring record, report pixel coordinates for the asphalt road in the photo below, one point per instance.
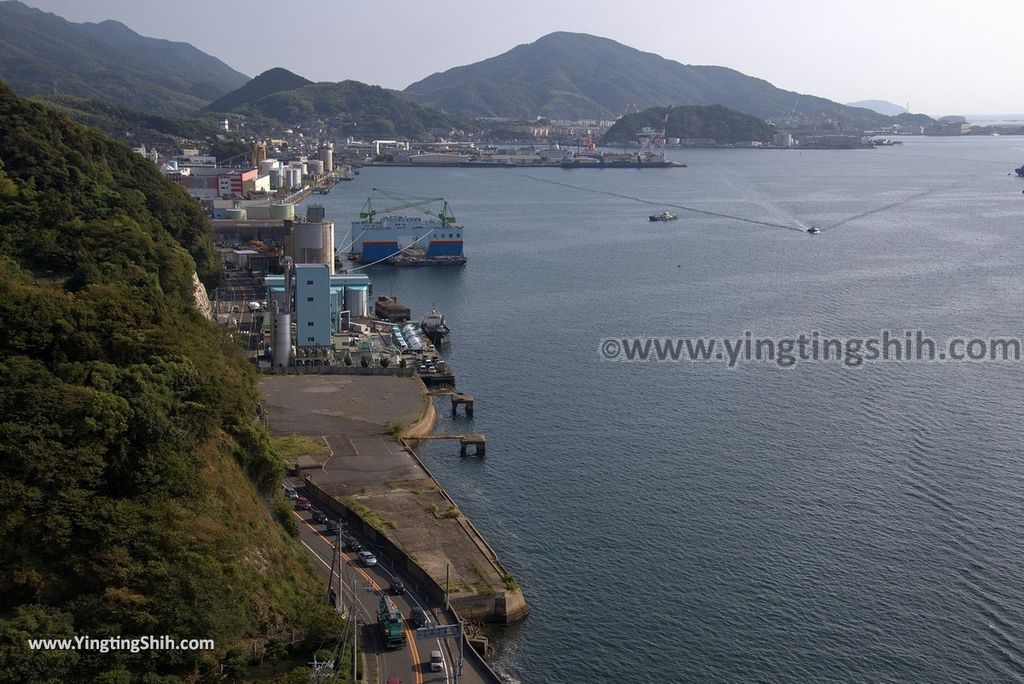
(232, 299)
(411, 664)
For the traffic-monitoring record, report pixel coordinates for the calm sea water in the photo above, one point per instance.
(686, 522)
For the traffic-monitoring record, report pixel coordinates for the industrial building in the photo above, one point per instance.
(307, 306)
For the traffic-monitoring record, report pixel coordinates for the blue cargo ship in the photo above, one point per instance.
(380, 236)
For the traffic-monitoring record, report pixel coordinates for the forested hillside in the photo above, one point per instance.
(138, 491)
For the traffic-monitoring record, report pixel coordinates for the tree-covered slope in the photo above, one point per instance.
(42, 53)
(722, 124)
(355, 108)
(136, 485)
(269, 82)
(579, 76)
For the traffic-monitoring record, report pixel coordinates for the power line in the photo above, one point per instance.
(663, 204)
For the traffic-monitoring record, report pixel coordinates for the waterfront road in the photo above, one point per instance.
(231, 308)
(411, 664)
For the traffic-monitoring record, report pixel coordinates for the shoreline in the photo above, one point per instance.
(375, 482)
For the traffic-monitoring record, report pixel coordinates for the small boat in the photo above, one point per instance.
(1020, 171)
(435, 328)
(664, 216)
(814, 230)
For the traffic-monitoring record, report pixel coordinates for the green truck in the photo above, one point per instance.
(389, 618)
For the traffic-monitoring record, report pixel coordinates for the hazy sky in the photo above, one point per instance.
(940, 56)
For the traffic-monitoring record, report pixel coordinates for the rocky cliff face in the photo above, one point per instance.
(202, 300)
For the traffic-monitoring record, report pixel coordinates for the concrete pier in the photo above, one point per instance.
(464, 400)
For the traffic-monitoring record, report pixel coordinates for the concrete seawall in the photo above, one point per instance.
(378, 485)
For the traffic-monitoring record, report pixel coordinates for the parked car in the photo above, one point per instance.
(367, 559)
(397, 586)
(394, 680)
(319, 517)
(353, 544)
(331, 525)
(302, 503)
(436, 661)
(291, 493)
(419, 617)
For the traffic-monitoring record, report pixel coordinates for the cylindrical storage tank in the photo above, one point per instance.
(315, 167)
(235, 214)
(281, 350)
(282, 210)
(275, 178)
(327, 157)
(266, 165)
(294, 176)
(313, 243)
(356, 297)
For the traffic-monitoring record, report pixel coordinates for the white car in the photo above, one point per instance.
(367, 559)
(436, 661)
(254, 306)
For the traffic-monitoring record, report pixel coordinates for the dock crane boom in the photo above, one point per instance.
(445, 215)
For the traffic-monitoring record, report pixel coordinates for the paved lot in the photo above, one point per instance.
(352, 412)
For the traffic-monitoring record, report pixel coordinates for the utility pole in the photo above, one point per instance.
(355, 632)
(447, 569)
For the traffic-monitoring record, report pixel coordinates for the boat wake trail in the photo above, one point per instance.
(887, 207)
(663, 204)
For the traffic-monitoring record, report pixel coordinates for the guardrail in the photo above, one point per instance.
(415, 577)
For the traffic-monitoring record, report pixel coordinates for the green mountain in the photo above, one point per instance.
(348, 107)
(269, 82)
(41, 53)
(141, 495)
(722, 124)
(130, 125)
(575, 75)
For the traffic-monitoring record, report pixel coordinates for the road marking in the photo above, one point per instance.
(409, 636)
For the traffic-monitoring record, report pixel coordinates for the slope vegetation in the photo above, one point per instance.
(138, 489)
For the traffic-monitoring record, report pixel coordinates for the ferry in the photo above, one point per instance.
(381, 236)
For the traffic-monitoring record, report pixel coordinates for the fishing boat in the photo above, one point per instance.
(814, 230)
(664, 216)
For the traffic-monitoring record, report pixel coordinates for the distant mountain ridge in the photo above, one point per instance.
(880, 106)
(579, 76)
(42, 53)
(347, 107)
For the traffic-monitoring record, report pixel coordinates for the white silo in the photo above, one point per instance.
(327, 156)
(281, 350)
(314, 168)
(282, 210)
(312, 243)
(267, 165)
(356, 301)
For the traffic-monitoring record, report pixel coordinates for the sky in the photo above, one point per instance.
(939, 56)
